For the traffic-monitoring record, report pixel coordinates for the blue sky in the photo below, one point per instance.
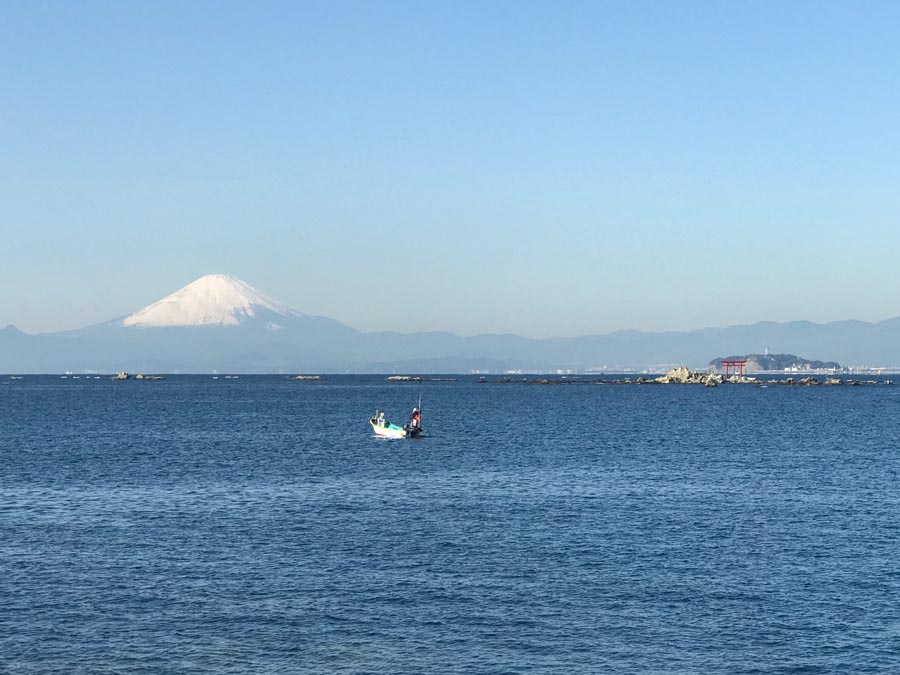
(535, 168)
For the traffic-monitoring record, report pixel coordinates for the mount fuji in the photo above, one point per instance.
(217, 322)
(213, 300)
(221, 323)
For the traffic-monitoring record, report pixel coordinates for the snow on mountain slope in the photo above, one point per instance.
(212, 300)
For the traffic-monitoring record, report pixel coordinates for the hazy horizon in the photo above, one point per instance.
(689, 329)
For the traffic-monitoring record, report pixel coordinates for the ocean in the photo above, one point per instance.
(255, 525)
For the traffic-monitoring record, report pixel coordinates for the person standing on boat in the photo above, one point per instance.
(414, 420)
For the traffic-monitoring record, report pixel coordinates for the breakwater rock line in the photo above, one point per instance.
(417, 378)
(683, 375)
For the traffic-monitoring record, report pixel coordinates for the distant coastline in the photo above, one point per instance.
(237, 329)
(776, 364)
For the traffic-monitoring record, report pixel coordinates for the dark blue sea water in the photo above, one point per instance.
(256, 526)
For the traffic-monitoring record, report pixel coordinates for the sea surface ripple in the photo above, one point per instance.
(255, 525)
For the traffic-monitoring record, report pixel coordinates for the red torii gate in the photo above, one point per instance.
(734, 363)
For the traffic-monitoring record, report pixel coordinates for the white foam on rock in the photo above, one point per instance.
(212, 300)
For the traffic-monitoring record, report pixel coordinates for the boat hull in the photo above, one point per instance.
(388, 430)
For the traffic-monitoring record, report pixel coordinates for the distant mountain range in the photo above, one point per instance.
(221, 323)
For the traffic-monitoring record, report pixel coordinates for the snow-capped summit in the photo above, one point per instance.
(212, 300)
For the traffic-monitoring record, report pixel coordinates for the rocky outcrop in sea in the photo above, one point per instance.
(684, 375)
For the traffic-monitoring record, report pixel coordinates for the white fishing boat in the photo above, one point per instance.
(384, 429)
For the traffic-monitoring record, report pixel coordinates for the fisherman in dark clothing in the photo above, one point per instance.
(415, 420)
